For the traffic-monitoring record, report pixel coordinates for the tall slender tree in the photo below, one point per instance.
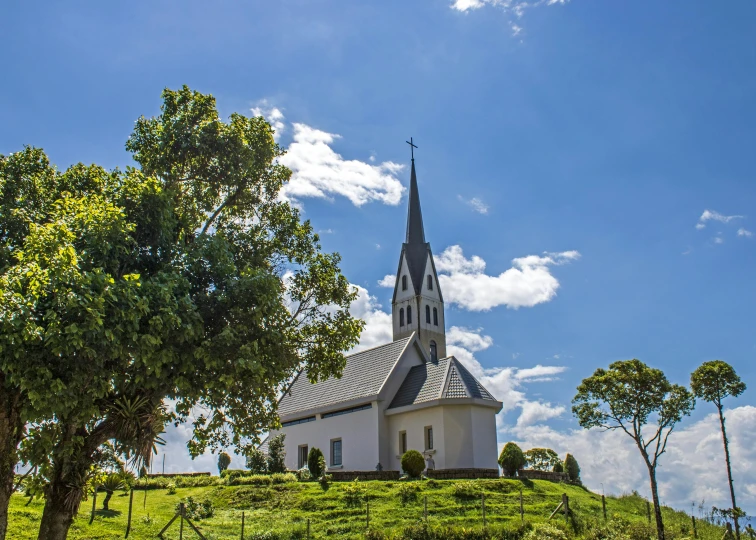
(713, 382)
(625, 397)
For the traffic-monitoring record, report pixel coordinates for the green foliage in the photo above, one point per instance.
(545, 531)
(572, 468)
(277, 454)
(224, 460)
(283, 478)
(250, 480)
(354, 493)
(171, 487)
(511, 459)
(716, 380)
(413, 463)
(314, 462)
(408, 492)
(558, 467)
(196, 510)
(257, 461)
(304, 474)
(541, 459)
(466, 490)
(233, 473)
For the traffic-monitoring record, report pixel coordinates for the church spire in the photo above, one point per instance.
(415, 231)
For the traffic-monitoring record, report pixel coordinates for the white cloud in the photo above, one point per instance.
(711, 215)
(388, 281)
(378, 329)
(516, 8)
(744, 232)
(273, 115)
(318, 171)
(464, 5)
(476, 204)
(718, 240)
(529, 282)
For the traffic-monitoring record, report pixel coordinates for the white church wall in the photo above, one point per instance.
(358, 432)
(459, 447)
(485, 449)
(414, 424)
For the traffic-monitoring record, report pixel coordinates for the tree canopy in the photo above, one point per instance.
(541, 459)
(511, 459)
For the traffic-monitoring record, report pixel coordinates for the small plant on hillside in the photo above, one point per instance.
(277, 454)
(465, 490)
(257, 461)
(511, 459)
(196, 509)
(313, 462)
(572, 468)
(408, 492)
(113, 482)
(283, 478)
(303, 474)
(413, 463)
(545, 531)
(354, 493)
(171, 487)
(224, 460)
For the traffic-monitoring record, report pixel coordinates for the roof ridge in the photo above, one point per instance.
(461, 367)
(377, 347)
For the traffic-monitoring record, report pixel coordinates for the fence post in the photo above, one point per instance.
(367, 506)
(128, 523)
(566, 506)
(144, 503)
(181, 525)
(483, 505)
(648, 511)
(308, 528)
(425, 509)
(94, 505)
(242, 531)
(603, 505)
(522, 508)
(695, 529)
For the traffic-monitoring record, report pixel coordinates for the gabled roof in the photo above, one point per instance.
(363, 376)
(443, 379)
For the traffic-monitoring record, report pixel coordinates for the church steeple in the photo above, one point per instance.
(418, 305)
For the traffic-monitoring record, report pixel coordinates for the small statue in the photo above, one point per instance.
(429, 463)
(379, 467)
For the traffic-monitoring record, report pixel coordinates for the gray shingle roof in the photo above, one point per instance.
(363, 376)
(427, 382)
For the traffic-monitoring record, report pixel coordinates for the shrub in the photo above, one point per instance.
(413, 463)
(233, 473)
(277, 454)
(408, 492)
(544, 531)
(572, 468)
(250, 480)
(196, 509)
(511, 459)
(354, 493)
(558, 467)
(313, 462)
(224, 460)
(283, 478)
(465, 490)
(303, 474)
(171, 488)
(257, 461)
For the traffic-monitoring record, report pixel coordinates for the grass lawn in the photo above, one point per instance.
(282, 510)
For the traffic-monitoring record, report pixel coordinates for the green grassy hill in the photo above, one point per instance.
(396, 511)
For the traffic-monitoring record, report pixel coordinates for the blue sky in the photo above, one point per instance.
(603, 128)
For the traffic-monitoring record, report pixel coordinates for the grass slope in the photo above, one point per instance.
(282, 510)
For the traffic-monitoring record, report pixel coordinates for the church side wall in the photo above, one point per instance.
(458, 445)
(485, 450)
(414, 424)
(358, 432)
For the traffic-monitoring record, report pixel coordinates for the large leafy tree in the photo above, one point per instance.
(638, 400)
(541, 459)
(511, 459)
(193, 281)
(713, 382)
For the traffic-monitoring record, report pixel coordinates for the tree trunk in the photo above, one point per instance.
(729, 471)
(655, 499)
(106, 500)
(11, 433)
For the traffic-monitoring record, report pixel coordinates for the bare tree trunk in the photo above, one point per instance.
(11, 433)
(655, 499)
(729, 470)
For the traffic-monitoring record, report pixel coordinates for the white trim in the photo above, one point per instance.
(446, 401)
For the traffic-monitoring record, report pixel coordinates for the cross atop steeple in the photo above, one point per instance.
(413, 146)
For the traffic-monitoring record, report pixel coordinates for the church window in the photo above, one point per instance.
(435, 316)
(409, 314)
(427, 314)
(402, 442)
(302, 454)
(433, 351)
(336, 453)
(430, 282)
(401, 317)
(404, 283)
(429, 437)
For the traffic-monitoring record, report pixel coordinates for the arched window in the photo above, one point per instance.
(404, 283)
(409, 314)
(434, 354)
(430, 282)
(401, 317)
(427, 314)
(435, 316)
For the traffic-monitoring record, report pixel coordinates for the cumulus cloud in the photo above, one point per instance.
(711, 215)
(388, 281)
(529, 282)
(744, 232)
(475, 203)
(318, 171)
(513, 8)
(273, 115)
(378, 328)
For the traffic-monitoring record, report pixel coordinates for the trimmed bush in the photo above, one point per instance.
(283, 478)
(257, 462)
(303, 474)
(558, 467)
(250, 480)
(277, 454)
(313, 462)
(511, 459)
(224, 460)
(413, 463)
(196, 509)
(572, 468)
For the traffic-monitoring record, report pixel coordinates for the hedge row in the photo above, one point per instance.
(228, 480)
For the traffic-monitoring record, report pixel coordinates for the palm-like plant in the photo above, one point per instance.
(111, 483)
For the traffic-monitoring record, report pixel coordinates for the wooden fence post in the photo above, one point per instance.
(242, 531)
(308, 528)
(566, 501)
(603, 505)
(94, 505)
(522, 508)
(144, 503)
(367, 507)
(695, 529)
(181, 525)
(425, 509)
(648, 511)
(128, 523)
(483, 506)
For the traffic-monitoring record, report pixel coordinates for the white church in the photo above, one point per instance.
(407, 394)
